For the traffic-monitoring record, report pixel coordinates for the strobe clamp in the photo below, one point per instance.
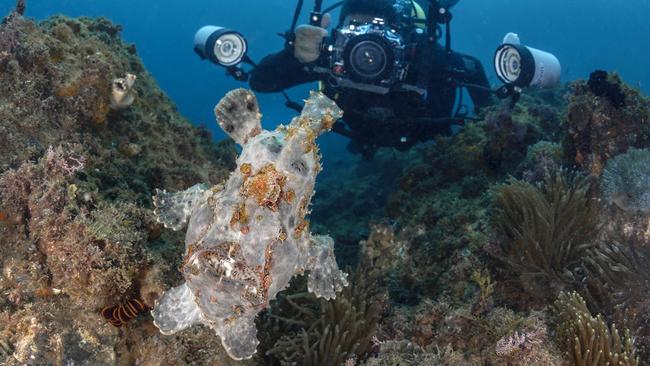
(509, 91)
(444, 16)
(237, 73)
(316, 16)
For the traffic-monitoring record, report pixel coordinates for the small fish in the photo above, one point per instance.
(118, 315)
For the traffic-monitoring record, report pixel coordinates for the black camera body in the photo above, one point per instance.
(369, 56)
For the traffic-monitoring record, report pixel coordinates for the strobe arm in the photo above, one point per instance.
(316, 16)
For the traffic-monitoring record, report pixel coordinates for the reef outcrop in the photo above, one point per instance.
(599, 129)
(77, 230)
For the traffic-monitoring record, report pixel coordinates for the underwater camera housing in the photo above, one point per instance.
(369, 56)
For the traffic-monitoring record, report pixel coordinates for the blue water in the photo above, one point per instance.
(584, 34)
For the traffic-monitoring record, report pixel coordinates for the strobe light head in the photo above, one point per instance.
(222, 46)
(522, 66)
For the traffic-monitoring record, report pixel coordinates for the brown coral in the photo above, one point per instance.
(547, 229)
(587, 340)
(331, 332)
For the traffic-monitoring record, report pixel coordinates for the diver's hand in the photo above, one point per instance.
(309, 39)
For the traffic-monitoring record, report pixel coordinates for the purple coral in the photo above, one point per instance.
(60, 161)
(519, 345)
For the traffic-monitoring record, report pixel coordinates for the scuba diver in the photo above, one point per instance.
(398, 92)
(385, 66)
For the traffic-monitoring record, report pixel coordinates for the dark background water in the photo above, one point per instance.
(584, 34)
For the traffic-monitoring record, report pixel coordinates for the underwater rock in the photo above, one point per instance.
(248, 237)
(626, 181)
(599, 129)
(77, 232)
(601, 87)
(543, 159)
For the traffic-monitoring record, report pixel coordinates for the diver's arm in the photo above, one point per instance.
(279, 71)
(474, 75)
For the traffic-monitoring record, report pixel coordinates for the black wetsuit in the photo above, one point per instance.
(397, 119)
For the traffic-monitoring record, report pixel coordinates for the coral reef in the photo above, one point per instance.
(329, 332)
(247, 237)
(546, 230)
(597, 129)
(441, 203)
(476, 339)
(56, 86)
(542, 159)
(77, 233)
(587, 339)
(625, 181)
(471, 235)
(357, 192)
(405, 353)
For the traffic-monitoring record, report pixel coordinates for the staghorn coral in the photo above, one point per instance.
(587, 340)
(625, 182)
(547, 229)
(248, 237)
(331, 332)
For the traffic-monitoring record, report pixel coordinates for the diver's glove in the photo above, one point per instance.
(307, 45)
